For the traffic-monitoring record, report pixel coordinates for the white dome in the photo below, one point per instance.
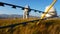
(51, 13)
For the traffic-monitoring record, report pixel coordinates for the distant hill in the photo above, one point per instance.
(3, 16)
(10, 16)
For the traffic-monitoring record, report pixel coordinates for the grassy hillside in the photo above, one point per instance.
(49, 26)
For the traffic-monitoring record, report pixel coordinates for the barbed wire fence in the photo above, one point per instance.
(23, 23)
(14, 25)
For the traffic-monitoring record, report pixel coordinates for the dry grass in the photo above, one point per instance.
(51, 26)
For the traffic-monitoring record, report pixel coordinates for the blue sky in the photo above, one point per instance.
(34, 4)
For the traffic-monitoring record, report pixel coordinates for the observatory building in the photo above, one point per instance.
(52, 12)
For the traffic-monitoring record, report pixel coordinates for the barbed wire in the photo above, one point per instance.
(14, 6)
(23, 23)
